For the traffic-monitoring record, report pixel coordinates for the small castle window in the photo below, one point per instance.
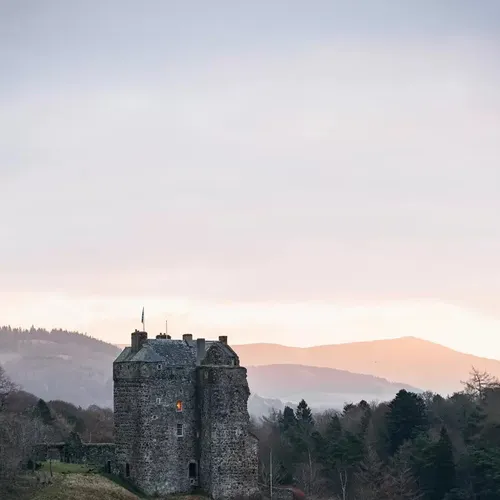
(127, 470)
(192, 470)
(158, 401)
(180, 430)
(155, 417)
(158, 366)
(178, 406)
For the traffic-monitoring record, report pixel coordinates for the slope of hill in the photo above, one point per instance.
(81, 485)
(321, 387)
(409, 360)
(59, 365)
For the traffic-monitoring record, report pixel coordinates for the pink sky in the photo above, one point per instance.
(300, 176)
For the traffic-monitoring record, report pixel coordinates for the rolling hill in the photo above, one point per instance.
(322, 387)
(78, 368)
(408, 360)
(59, 365)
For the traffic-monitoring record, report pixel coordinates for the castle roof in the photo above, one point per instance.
(173, 352)
(225, 347)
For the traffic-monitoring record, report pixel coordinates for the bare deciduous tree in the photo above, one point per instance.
(398, 482)
(311, 479)
(479, 382)
(6, 387)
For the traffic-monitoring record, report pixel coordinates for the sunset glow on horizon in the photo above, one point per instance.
(303, 176)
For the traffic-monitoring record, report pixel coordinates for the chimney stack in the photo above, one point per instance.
(200, 351)
(138, 339)
(187, 337)
(223, 339)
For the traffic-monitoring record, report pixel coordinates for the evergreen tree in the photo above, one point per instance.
(444, 466)
(486, 473)
(407, 417)
(288, 419)
(303, 414)
(42, 411)
(370, 476)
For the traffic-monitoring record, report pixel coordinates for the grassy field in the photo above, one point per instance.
(71, 481)
(82, 487)
(76, 482)
(64, 468)
(68, 482)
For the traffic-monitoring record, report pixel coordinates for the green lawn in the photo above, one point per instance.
(64, 468)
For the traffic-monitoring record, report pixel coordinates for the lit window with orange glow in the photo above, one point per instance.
(178, 405)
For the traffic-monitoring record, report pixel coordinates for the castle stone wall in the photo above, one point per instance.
(146, 434)
(128, 388)
(228, 462)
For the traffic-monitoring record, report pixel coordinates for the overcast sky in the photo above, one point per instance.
(297, 172)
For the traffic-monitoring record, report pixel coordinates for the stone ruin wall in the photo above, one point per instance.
(101, 455)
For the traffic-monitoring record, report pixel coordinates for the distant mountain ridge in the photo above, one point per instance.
(78, 368)
(322, 387)
(408, 360)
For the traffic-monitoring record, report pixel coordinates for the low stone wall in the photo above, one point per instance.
(101, 455)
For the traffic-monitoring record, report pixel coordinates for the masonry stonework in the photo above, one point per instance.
(181, 418)
(73, 450)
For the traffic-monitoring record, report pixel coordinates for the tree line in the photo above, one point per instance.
(13, 338)
(417, 446)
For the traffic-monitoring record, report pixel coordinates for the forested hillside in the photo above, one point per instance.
(58, 364)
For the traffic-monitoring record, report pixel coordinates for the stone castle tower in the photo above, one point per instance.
(181, 419)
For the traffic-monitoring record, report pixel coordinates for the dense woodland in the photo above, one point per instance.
(413, 447)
